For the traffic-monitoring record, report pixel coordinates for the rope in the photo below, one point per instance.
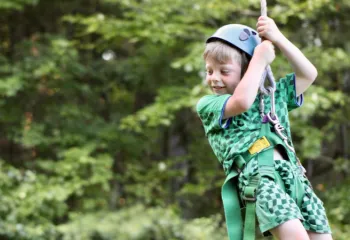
(267, 74)
(268, 71)
(263, 8)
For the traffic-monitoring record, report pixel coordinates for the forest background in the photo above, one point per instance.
(99, 136)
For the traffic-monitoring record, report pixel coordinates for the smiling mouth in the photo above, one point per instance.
(217, 87)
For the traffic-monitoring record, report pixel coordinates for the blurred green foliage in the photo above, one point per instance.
(143, 223)
(99, 137)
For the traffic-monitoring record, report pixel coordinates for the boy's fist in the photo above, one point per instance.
(267, 29)
(265, 51)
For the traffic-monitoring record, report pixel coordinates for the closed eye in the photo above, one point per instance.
(209, 72)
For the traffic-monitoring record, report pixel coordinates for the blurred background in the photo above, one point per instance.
(99, 135)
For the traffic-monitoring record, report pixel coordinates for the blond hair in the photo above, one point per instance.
(223, 53)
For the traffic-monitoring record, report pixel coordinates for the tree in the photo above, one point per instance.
(98, 112)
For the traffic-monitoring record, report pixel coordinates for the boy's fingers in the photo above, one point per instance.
(262, 35)
(261, 23)
(260, 29)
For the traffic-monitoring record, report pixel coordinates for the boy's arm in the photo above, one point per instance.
(305, 71)
(245, 93)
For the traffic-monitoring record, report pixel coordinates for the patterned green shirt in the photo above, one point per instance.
(233, 136)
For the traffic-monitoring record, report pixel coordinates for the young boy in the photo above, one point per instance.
(263, 172)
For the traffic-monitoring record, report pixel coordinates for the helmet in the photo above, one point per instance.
(237, 35)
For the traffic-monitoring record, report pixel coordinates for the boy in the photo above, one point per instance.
(260, 163)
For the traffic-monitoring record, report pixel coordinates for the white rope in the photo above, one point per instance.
(268, 72)
(263, 8)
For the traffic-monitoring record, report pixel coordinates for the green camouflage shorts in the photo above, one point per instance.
(274, 204)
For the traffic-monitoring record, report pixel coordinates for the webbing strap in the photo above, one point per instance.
(249, 195)
(266, 169)
(249, 225)
(265, 158)
(232, 209)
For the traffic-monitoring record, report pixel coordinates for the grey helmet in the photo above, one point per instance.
(239, 36)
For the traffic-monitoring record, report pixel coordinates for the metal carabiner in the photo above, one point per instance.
(272, 93)
(289, 146)
(274, 120)
(261, 105)
(279, 129)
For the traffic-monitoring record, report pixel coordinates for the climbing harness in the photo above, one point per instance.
(262, 149)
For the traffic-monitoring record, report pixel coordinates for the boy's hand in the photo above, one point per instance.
(265, 52)
(268, 29)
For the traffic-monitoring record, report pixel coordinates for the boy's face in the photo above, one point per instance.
(222, 78)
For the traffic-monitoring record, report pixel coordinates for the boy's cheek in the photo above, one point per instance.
(207, 82)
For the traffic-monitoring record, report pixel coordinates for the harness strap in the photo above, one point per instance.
(266, 169)
(230, 199)
(249, 196)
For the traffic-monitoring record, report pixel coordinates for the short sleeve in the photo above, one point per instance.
(286, 87)
(211, 109)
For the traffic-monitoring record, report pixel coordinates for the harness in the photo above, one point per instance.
(262, 149)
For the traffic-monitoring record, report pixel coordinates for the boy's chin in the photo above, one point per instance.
(220, 92)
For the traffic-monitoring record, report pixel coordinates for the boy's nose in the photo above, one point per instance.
(215, 77)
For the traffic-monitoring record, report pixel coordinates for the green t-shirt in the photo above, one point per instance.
(233, 136)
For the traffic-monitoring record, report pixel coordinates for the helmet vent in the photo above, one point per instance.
(245, 34)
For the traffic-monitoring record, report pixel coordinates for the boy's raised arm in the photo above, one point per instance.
(247, 89)
(305, 71)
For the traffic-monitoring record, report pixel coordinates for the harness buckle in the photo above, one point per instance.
(239, 163)
(249, 193)
(238, 170)
(251, 199)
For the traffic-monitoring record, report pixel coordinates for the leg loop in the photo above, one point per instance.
(267, 171)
